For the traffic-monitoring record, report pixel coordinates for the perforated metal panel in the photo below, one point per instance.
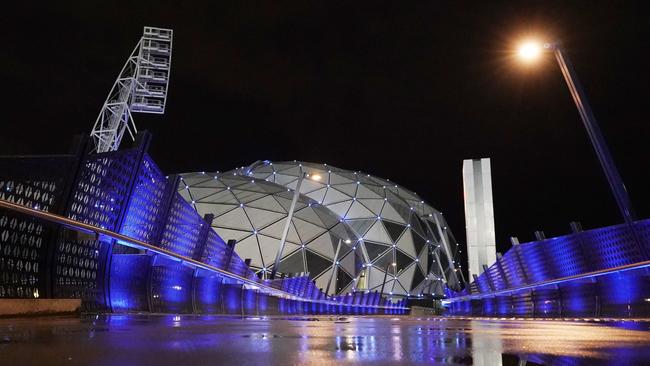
(98, 196)
(643, 231)
(183, 229)
(145, 216)
(79, 259)
(102, 188)
(534, 258)
(512, 269)
(566, 256)
(618, 294)
(22, 256)
(38, 183)
(611, 247)
(126, 192)
(238, 266)
(215, 250)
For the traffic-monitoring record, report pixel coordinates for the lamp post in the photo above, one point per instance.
(530, 51)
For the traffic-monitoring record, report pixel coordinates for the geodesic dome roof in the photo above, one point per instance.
(395, 224)
(254, 212)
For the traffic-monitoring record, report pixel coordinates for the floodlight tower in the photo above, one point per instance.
(140, 87)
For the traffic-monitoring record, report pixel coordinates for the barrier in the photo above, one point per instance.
(111, 229)
(597, 273)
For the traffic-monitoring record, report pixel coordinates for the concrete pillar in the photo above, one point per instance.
(479, 214)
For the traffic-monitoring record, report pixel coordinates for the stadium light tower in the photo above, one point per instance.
(531, 51)
(140, 87)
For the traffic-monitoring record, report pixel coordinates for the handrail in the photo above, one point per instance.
(138, 244)
(555, 281)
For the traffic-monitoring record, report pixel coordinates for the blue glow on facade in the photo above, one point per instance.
(596, 273)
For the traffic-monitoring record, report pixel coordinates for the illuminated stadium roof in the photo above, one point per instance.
(385, 224)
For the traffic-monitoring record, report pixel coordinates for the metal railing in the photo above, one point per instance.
(266, 287)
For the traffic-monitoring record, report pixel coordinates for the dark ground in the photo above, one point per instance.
(189, 340)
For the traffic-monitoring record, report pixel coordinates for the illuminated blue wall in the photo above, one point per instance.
(129, 282)
(126, 192)
(542, 267)
(208, 292)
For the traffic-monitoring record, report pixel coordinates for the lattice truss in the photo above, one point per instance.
(390, 224)
(254, 212)
(140, 87)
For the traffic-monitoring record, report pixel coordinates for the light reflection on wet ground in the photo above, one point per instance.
(185, 340)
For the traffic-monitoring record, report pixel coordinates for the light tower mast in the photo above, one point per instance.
(140, 87)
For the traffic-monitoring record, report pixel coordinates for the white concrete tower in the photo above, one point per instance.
(479, 214)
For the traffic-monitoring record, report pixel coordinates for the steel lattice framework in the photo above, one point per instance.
(395, 223)
(140, 87)
(254, 212)
(401, 244)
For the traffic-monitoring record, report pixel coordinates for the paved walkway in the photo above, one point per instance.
(190, 340)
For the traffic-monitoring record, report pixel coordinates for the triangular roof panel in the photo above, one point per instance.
(374, 205)
(334, 196)
(261, 218)
(323, 245)
(267, 203)
(359, 211)
(235, 219)
(389, 213)
(405, 243)
(378, 233)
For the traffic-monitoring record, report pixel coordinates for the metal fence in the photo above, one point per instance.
(155, 266)
(596, 273)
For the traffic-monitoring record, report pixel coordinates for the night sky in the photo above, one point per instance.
(402, 90)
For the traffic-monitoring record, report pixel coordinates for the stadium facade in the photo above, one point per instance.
(391, 238)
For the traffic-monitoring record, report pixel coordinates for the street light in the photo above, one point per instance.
(530, 51)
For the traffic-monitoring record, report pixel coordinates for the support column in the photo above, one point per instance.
(334, 269)
(479, 214)
(287, 225)
(199, 250)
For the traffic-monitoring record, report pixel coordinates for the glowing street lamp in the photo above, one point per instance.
(530, 51)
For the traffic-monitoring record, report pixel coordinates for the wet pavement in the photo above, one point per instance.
(205, 340)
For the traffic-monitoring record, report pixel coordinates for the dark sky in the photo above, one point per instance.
(403, 90)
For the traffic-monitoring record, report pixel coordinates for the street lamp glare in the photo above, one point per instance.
(529, 51)
(316, 177)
